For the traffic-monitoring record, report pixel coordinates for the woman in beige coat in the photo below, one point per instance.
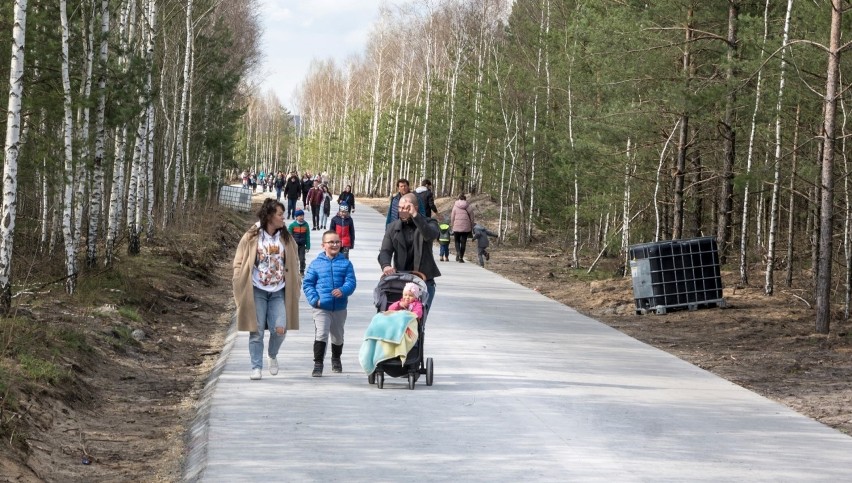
(266, 285)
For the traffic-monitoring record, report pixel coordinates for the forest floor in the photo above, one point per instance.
(119, 409)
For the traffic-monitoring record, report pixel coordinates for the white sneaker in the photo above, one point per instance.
(273, 366)
(255, 374)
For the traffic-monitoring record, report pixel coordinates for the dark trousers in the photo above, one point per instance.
(461, 242)
(482, 253)
(315, 215)
(300, 247)
(291, 207)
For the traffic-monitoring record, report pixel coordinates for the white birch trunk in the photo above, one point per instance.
(625, 211)
(82, 174)
(189, 165)
(68, 132)
(10, 162)
(179, 133)
(791, 212)
(96, 199)
(745, 219)
(116, 199)
(377, 101)
(45, 206)
(769, 285)
(430, 49)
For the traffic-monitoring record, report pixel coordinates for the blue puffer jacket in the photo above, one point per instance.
(326, 274)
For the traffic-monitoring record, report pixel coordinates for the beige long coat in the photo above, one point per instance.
(244, 291)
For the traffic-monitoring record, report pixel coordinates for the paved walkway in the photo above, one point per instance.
(526, 389)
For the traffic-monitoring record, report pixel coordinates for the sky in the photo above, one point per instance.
(297, 31)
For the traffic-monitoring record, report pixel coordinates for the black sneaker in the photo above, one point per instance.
(487, 256)
(317, 372)
(336, 366)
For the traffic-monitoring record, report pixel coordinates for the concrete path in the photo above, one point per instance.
(526, 389)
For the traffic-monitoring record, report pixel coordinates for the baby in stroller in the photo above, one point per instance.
(393, 342)
(410, 300)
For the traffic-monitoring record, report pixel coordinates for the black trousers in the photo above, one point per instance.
(315, 214)
(461, 242)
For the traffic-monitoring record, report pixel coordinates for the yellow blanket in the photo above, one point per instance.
(389, 335)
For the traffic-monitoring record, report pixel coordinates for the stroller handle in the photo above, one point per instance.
(421, 275)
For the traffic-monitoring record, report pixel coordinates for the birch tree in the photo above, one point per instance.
(68, 132)
(744, 234)
(96, 200)
(776, 182)
(12, 149)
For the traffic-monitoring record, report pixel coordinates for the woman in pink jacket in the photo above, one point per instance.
(461, 222)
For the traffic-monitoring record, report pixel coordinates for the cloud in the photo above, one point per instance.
(298, 31)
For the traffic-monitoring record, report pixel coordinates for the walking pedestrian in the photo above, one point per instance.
(328, 283)
(301, 232)
(461, 222)
(315, 196)
(347, 198)
(326, 207)
(266, 287)
(426, 199)
(343, 225)
(481, 234)
(444, 242)
(293, 191)
(407, 244)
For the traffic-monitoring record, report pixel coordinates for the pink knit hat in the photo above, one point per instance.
(413, 288)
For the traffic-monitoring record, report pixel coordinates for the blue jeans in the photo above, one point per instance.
(291, 207)
(270, 314)
(430, 289)
(444, 250)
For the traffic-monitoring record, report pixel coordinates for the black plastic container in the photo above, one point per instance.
(676, 274)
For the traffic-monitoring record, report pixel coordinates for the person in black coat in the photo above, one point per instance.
(347, 198)
(407, 244)
(293, 191)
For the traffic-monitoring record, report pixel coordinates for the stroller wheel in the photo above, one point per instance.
(411, 380)
(429, 370)
(371, 378)
(380, 380)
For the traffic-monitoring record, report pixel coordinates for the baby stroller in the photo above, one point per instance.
(388, 291)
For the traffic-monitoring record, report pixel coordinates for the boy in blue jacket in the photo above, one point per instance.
(328, 283)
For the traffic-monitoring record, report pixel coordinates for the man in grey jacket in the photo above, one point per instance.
(407, 244)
